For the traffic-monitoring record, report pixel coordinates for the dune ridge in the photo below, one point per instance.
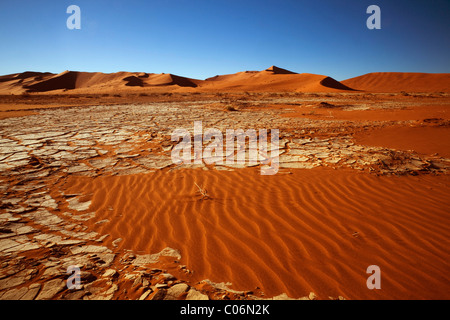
(277, 70)
(401, 81)
(334, 227)
(273, 79)
(270, 79)
(100, 82)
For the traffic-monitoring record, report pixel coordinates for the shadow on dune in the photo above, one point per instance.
(331, 83)
(133, 81)
(66, 80)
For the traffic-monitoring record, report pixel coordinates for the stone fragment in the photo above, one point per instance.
(145, 295)
(282, 296)
(175, 291)
(50, 289)
(82, 217)
(74, 204)
(13, 281)
(159, 294)
(45, 218)
(152, 258)
(312, 296)
(193, 294)
(53, 272)
(23, 247)
(167, 276)
(75, 295)
(89, 249)
(14, 294)
(109, 273)
(7, 244)
(299, 165)
(115, 243)
(32, 292)
(102, 238)
(102, 221)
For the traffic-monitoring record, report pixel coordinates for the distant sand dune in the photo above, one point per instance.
(99, 82)
(169, 79)
(401, 81)
(272, 79)
(16, 83)
(25, 75)
(70, 80)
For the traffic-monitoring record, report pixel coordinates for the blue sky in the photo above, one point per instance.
(200, 39)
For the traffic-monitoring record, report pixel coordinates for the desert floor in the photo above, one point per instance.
(88, 180)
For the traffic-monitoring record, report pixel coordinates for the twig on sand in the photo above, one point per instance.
(203, 192)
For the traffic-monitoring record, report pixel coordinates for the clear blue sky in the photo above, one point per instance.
(200, 39)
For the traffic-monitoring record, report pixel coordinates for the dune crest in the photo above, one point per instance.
(277, 70)
(168, 79)
(100, 82)
(401, 81)
(273, 79)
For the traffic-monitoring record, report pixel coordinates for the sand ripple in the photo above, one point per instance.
(314, 230)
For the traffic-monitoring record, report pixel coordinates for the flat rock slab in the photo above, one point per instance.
(194, 294)
(174, 292)
(90, 249)
(141, 260)
(75, 204)
(51, 288)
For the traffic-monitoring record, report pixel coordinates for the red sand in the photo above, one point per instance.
(424, 140)
(315, 230)
(401, 81)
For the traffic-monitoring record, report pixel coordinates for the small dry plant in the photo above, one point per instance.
(203, 192)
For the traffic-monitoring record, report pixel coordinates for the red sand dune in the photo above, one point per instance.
(15, 83)
(25, 75)
(272, 79)
(100, 82)
(70, 80)
(164, 79)
(401, 81)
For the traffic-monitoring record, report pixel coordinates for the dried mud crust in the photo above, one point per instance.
(131, 139)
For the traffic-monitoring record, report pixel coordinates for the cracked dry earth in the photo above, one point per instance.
(40, 236)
